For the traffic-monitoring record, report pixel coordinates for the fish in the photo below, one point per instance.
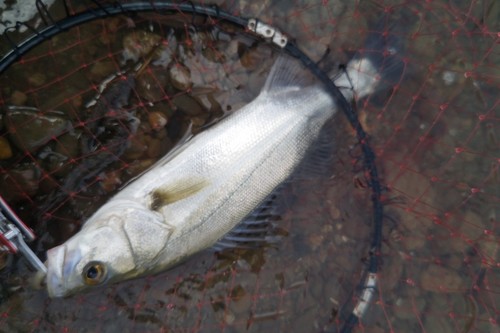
(207, 185)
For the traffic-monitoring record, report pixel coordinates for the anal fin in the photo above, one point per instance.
(259, 229)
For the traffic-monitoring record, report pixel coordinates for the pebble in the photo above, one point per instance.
(438, 323)
(137, 146)
(139, 44)
(443, 280)
(68, 144)
(407, 307)
(472, 226)
(157, 120)
(138, 166)
(4, 256)
(229, 317)
(102, 69)
(252, 58)
(111, 181)
(19, 182)
(42, 126)
(151, 84)
(180, 77)
(18, 98)
(188, 105)
(155, 148)
(5, 149)
(37, 79)
(242, 305)
(391, 274)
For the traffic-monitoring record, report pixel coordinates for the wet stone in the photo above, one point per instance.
(138, 44)
(18, 98)
(242, 305)
(137, 146)
(443, 280)
(37, 79)
(180, 77)
(154, 148)
(157, 120)
(67, 100)
(5, 149)
(4, 256)
(19, 183)
(68, 144)
(150, 85)
(188, 105)
(408, 308)
(43, 126)
(102, 69)
(473, 225)
(110, 181)
(138, 166)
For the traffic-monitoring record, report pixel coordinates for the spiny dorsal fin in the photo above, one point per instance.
(286, 74)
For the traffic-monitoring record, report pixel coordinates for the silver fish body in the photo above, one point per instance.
(196, 194)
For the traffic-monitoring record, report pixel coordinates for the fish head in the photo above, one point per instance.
(117, 243)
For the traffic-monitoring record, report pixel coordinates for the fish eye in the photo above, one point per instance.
(94, 273)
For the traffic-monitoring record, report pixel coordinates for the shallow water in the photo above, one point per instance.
(434, 132)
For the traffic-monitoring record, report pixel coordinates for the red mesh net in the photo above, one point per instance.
(74, 129)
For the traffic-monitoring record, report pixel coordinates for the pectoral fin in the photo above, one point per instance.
(176, 191)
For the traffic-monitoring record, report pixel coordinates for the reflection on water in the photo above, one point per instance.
(434, 134)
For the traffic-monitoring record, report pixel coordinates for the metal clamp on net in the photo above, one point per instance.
(14, 234)
(268, 32)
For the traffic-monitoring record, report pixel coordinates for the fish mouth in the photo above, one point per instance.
(56, 271)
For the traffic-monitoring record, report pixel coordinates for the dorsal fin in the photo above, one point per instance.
(286, 73)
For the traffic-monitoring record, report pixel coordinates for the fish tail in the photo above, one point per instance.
(378, 65)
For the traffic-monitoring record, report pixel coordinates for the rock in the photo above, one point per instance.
(68, 144)
(164, 53)
(154, 148)
(243, 305)
(157, 120)
(4, 258)
(66, 100)
(138, 166)
(18, 98)
(180, 77)
(111, 180)
(440, 279)
(102, 69)
(5, 150)
(151, 84)
(188, 105)
(37, 79)
(137, 146)
(138, 44)
(229, 317)
(473, 225)
(407, 307)
(19, 183)
(43, 126)
(436, 323)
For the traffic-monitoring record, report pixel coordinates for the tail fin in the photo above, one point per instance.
(378, 65)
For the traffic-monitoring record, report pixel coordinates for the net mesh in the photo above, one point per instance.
(75, 128)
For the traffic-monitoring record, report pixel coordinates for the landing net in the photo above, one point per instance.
(401, 236)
